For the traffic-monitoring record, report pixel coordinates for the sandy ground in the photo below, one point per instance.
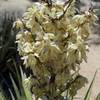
(88, 69)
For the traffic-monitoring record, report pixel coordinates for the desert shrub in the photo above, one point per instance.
(52, 43)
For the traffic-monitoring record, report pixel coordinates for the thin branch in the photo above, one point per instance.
(25, 27)
(66, 5)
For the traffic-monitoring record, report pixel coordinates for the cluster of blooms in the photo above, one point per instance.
(51, 42)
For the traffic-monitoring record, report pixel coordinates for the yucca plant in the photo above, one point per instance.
(22, 87)
(19, 87)
(98, 97)
(8, 51)
(7, 47)
(51, 42)
(2, 96)
(6, 37)
(88, 93)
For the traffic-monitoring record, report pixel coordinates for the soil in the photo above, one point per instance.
(88, 69)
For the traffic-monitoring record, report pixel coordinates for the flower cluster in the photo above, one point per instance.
(51, 42)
